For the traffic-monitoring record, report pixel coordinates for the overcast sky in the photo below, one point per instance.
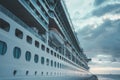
(97, 23)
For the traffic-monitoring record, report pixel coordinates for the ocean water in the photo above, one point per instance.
(108, 77)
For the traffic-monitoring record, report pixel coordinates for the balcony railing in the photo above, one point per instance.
(16, 19)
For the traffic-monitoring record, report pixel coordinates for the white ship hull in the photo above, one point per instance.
(25, 56)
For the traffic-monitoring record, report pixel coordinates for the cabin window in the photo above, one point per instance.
(58, 65)
(54, 64)
(60, 57)
(47, 50)
(43, 47)
(36, 58)
(42, 73)
(28, 56)
(51, 52)
(42, 60)
(19, 33)
(3, 48)
(35, 73)
(37, 44)
(4, 25)
(51, 63)
(17, 52)
(47, 61)
(29, 39)
(55, 54)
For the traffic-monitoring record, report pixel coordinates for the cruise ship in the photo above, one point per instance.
(38, 42)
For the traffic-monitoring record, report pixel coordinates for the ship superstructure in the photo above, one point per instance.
(38, 42)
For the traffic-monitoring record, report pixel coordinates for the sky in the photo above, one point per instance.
(97, 24)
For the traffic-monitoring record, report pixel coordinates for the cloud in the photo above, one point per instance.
(110, 8)
(98, 2)
(104, 39)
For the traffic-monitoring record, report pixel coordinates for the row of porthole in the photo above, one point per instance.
(42, 73)
(17, 54)
(5, 26)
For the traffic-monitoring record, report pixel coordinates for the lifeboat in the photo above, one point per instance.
(55, 37)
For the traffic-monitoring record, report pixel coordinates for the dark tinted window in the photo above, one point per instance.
(47, 50)
(42, 60)
(36, 58)
(17, 52)
(47, 62)
(37, 44)
(29, 39)
(58, 65)
(3, 48)
(28, 56)
(4, 25)
(51, 52)
(43, 47)
(51, 62)
(55, 54)
(19, 33)
(54, 64)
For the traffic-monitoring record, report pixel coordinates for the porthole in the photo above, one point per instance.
(29, 39)
(17, 52)
(28, 56)
(14, 72)
(42, 60)
(43, 47)
(27, 72)
(35, 73)
(42, 73)
(54, 64)
(51, 63)
(36, 58)
(47, 61)
(37, 44)
(58, 56)
(55, 54)
(58, 65)
(4, 25)
(47, 50)
(51, 52)
(3, 48)
(18, 33)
